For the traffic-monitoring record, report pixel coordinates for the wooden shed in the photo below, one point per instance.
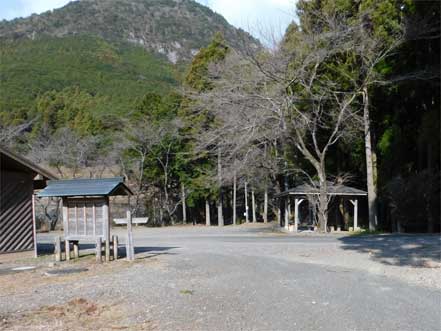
(86, 210)
(19, 178)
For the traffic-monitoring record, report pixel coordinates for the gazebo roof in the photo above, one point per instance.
(333, 189)
(86, 187)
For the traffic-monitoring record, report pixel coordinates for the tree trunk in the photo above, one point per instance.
(370, 165)
(323, 202)
(220, 217)
(344, 213)
(234, 199)
(427, 200)
(207, 213)
(246, 203)
(253, 202)
(184, 208)
(265, 206)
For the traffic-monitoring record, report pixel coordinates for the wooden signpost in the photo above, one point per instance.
(130, 249)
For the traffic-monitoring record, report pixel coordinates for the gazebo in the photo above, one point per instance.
(302, 192)
(86, 210)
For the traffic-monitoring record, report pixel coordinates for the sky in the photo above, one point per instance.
(262, 18)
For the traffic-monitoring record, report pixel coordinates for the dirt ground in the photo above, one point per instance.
(187, 278)
(77, 314)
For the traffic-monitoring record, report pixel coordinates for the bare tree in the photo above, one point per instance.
(144, 140)
(290, 96)
(10, 133)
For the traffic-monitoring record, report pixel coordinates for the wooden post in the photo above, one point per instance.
(76, 250)
(34, 227)
(85, 217)
(129, 245)
(253, 203)
(184, 211)
(234, 199)
(106, 220)
(115, 247)
(99, 250)
(94, 218)
(67, 248)
(65, 217)
(57, 249)
(286, 213)
(296, 215)
(247, 220)
(355, 203)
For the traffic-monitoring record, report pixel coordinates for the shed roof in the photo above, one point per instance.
(12, 161)
(86, 187)
(333, 189)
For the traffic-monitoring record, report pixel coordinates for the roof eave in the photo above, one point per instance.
(31, 165)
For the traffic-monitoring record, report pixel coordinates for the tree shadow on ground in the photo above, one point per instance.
(421, 251)
(89, 249)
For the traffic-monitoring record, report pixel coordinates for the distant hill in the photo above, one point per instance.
(174, 28)
(117, 50)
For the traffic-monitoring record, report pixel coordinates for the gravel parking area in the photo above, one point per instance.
(235, 278)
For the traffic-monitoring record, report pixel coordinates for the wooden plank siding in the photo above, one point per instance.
(16, 224)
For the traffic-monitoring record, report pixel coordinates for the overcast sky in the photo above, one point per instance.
(259, 17)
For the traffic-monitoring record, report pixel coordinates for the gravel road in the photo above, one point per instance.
(249, 278)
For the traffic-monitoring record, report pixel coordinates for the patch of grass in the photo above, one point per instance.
(188, 292)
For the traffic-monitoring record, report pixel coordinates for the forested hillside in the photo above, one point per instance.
(114, 51)
(351, 95)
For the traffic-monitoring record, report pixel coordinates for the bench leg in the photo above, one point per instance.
(67, 248)
(76, 249)
(99, 250)
(115, 247)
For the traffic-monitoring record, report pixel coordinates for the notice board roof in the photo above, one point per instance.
(86, 187)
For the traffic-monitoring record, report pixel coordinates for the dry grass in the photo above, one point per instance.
(77, 314)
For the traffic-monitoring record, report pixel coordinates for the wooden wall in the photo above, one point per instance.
(16, 228)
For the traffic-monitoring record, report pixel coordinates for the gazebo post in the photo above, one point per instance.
(355, 203)
(286, 213)
(296, 215)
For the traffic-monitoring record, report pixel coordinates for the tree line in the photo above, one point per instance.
(350, 94)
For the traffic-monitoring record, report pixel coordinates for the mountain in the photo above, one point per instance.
(114, 52)
(174, 28)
